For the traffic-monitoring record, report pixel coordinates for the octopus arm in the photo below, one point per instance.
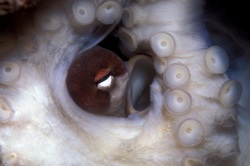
(176, 103)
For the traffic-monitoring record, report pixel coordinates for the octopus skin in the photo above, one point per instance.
(65, 101)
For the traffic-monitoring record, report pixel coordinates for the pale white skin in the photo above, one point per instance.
(41, 125)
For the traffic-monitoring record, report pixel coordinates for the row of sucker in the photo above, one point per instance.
(31, 43)
(87, 12)
(198, 111)
(199, 100)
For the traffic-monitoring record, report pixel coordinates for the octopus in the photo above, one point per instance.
(171, 88)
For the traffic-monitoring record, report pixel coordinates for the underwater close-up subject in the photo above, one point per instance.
(124, 83)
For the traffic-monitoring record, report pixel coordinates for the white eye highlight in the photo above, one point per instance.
(177, 101)
(230, 93)
(83, 12)
(176, 75)
(106, 84)
(162, 44)
(9, 72)
(109, 12)
(216, 60)
(190, 132)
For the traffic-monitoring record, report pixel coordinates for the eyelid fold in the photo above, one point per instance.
(104, 80)
(102, 75)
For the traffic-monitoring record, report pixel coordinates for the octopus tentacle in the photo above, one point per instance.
(71, 103)
(196, 89)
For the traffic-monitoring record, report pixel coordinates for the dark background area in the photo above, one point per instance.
(234, 13)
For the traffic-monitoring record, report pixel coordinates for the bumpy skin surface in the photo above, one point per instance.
(187, 104)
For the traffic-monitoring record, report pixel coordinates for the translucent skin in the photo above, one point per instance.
(40, 124)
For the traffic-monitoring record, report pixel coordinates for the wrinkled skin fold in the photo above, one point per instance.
(181, 99)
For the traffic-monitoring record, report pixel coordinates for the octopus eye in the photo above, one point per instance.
(104, 80)
(96, 80)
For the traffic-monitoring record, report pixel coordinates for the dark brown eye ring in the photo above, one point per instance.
(91, 79)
